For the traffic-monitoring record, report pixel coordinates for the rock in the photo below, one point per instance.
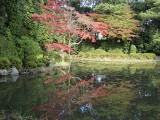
(33, 71)
(3, 72)
(42, 69)
(14, 71)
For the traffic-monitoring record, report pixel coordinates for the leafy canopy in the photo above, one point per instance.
(121, 17)
(153, 12)
(63, 20)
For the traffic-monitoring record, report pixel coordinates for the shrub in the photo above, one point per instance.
(115, 50)
(16, 62)
(81, 53)
(28, 49)
(40, 64)
(4, 63)
(133, 49)
(31, 64)
(100, 51)
(46, 61)
(149, 55)
(55, 56)
(136, 55)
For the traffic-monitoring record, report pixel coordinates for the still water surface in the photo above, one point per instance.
(83, 92)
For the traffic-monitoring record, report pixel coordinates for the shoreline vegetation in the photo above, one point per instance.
(116, 58)
(96, 57)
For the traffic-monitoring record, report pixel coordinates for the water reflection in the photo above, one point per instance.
(84, 92)
(8, 78)
(72, 94)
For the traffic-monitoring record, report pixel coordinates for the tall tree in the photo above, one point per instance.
(121, 17)
(64, 21)
(150, 36)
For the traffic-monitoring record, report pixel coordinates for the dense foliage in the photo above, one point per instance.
(20, 37)
(23, 39)
(149, 40)
(121, 17)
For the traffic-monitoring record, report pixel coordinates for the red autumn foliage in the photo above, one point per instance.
(52, 46)
(64, 78)
(63, 20)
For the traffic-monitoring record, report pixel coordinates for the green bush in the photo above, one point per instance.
(4, 63)
(136, 55)
(31, 64)
(28, 49)
(100, 51)
(55, 56)
(15, 62)
(102, 54)
(133, 49)
(149, 55)
(115, 50)
(46, 61)
(81, 53)
(40, 64)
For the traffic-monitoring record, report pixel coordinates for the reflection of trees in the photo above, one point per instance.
(18, 97)
(133, 94)
(70, 91)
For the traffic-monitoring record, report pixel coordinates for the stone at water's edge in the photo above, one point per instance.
(3, 72)
(14, 71)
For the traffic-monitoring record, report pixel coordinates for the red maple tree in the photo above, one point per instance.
(63, 20)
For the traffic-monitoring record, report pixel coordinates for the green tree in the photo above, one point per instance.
(28, 49)
(150, 17)
(125, 27)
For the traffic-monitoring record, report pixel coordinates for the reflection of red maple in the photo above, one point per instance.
(48, 80)
(64, 96)
(83, 83)
(63, 78)
(100, 91)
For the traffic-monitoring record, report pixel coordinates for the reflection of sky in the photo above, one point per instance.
(129, 1)
(92, 3)
(88, 3)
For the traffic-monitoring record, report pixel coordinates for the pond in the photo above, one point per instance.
(83, 91)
